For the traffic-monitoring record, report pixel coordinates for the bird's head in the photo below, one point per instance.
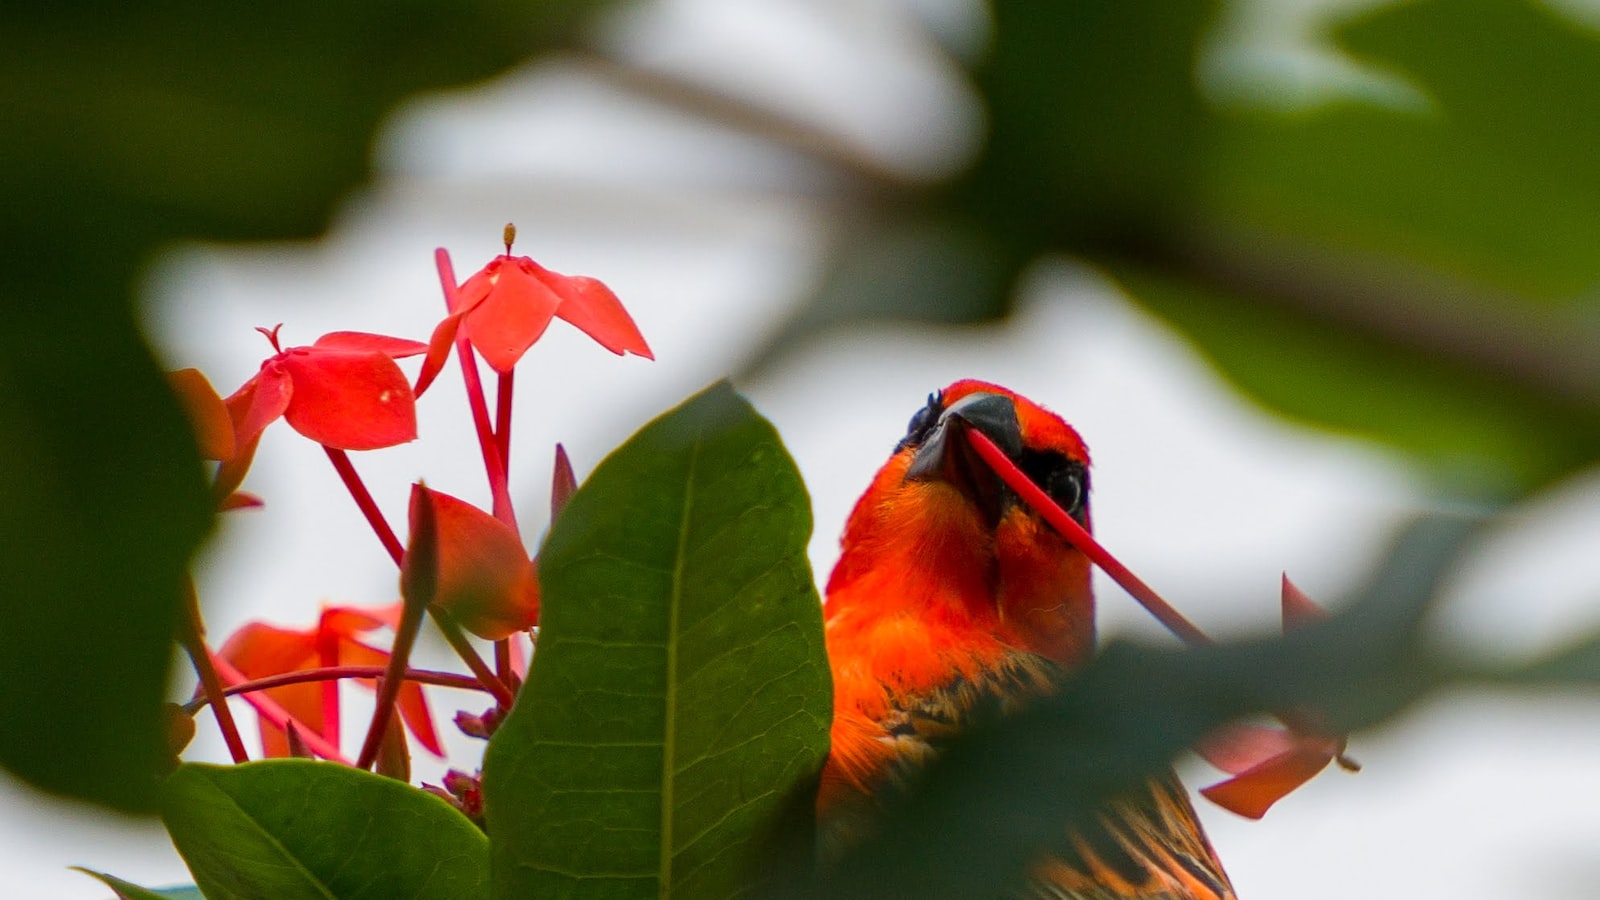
(941, 525)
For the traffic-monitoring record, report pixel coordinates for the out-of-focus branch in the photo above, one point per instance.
(729, 110)
(1543, 348)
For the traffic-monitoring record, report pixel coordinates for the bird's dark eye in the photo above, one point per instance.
(1065, 480)
(922, 422)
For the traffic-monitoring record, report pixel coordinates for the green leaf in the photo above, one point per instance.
(676, 713)
(127, 890)
(138, 125)
(292, 828)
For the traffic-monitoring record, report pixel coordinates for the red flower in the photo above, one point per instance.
(484, 579)
(1268, 763)
(258, 650)
(214, 435)
(509, 303)
(344, 391)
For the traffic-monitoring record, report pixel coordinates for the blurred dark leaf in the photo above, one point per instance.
(1495, 182)
(1480, 432)
(1095, 119)
(677, 708)
(1002, 797)
(1576, 664)
(289, 828)
(1422, 276)
(129, 126)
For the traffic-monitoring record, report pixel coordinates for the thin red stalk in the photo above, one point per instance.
(405, 638)
(328, 655)
(494, 462)
(369, 508)
(464, 649)
(334, 674)
(268, 709)
(502, 661)
(192, 636)
(502, 418)
(1035, 497)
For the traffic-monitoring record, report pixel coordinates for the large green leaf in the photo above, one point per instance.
(129, 126)
(676, 713)
(292, 828)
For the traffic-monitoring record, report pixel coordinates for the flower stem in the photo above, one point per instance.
(464, 649)
(268, 709)
(192, 636)
(502, 661)
(494, 462)
(405, 638)
(335, 673)
(1075, 534)
(369, 508)
(502, 419)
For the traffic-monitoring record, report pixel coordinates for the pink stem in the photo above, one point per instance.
(1075, 534)
(334, 673)
(493, 460)
(458, 642)
(363, 498)
(268, 709)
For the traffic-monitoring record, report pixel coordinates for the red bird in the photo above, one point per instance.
(952, 600)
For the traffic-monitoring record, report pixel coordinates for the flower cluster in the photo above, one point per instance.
(464, 567)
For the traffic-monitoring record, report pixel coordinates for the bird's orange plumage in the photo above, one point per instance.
(950, 598)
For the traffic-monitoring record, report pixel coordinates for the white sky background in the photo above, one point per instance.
(710, 239)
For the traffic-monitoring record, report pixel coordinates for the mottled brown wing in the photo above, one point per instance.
(1148, 844)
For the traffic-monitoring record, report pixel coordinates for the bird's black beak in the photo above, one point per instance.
(946, 456)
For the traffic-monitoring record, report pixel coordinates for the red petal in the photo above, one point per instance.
(345, 622)
(240, 500)
(213, 428)
(362, 342)
(474, 289)
(258, 650)
(350, 401)
(484, 573)
(230, 474)
(1239, 747)
(594, 309)
(1252, 792)
(260, 402)
(1299, 609)
(513, 315)
(439, 344)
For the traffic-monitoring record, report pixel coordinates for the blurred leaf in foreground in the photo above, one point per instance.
(1001, 797)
